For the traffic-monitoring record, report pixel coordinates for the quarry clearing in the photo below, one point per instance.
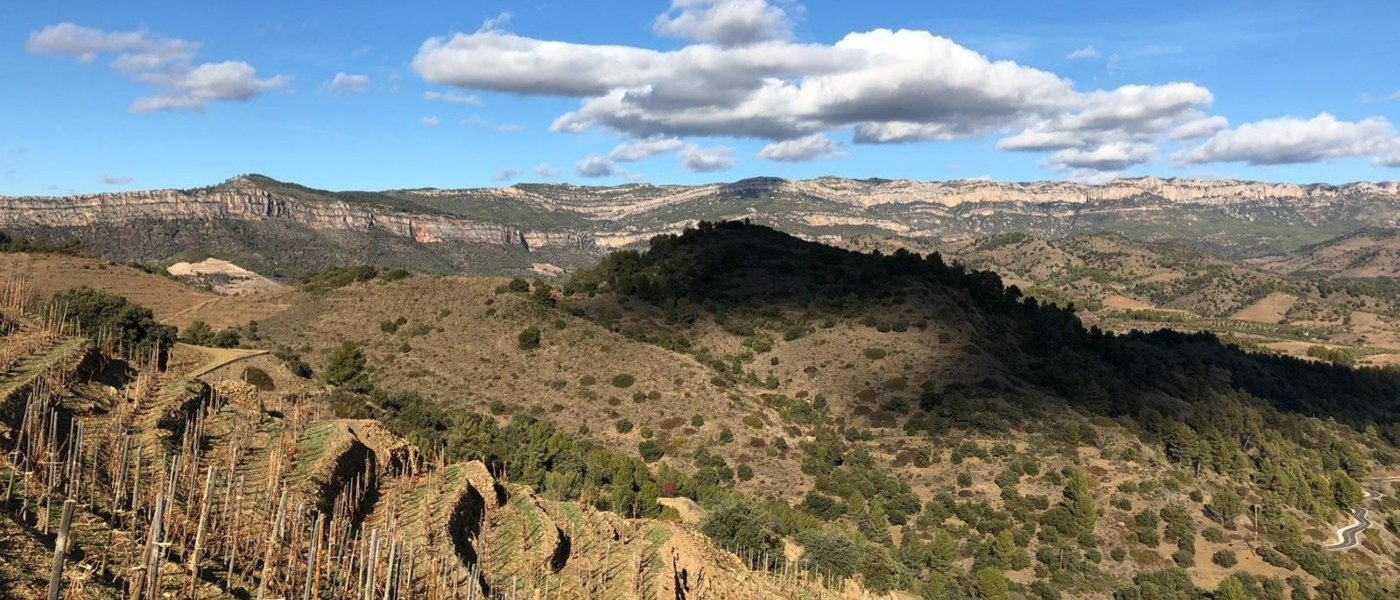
(224, 277)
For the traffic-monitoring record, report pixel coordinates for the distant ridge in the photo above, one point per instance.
(256, 218)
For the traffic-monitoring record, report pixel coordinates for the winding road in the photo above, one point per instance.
(1348, 536)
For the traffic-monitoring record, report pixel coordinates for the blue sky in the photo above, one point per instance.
(104, 96)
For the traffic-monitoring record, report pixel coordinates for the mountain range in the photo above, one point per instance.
(255, 220)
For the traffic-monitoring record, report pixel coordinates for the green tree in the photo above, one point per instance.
(1012, 557)
(942, 551)
(739, 528)
(345, 368)
(198, 333)
(992, 584)
(1226, 505)
(828, 552)
(875, 523)
(1231, 589)
(106, 316)
(1079, 499)
(1346, 492)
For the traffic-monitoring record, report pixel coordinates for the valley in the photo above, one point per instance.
(893, 424)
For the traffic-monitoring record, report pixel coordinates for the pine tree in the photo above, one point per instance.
(345, 367)
(942, 551)
(1226, 505)
(1079, 499)
(1231, 589)
(992, 584)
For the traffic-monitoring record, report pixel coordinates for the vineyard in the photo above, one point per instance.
(123, 480)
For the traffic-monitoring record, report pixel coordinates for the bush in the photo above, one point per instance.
(345, 368)
(739, 528)
(623, 381)
(828, 552)
(623, 425)
(1224, 558)
(875, 353)
(518, 286)
(697, 421)
(101, 314)
(650, 450)
(964, 479)
(745, 472)
(1213, 535)
(529, 338)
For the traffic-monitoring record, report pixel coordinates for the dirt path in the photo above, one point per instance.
(220, 357)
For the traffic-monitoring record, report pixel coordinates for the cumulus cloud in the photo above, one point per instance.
(707, 160)
(429, 121)
(345, 83)
(545, 171)
(1084, 53)
(1199, 128)
(635, 150)
(745, 78)
(594, 166)
(165, 64)
(505, 175)
(1115, 156)
(1291, 140)
(116, 179)
(453, 98)
(801, 149)
(724, 22)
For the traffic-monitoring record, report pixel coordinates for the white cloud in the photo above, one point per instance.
(1115, 156)
(594, 166)
(635, 150)
(500, 20)
(345, 83)
(165, 64)
(707, 160)
(724, 22)
(1199, 128)
(772, 90)
(1291, 140)
(453, 98)
(545, 171)
(745, 78)
(116, 180)
(1086, 52)
(429, 121)
(801, 149)
(505, 175)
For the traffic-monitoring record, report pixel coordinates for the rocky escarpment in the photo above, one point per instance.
(584, 220)
(243, 199)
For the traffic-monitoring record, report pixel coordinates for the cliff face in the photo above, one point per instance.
(590, 219)
(245, 202)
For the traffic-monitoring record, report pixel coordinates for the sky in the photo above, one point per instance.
(108, 96)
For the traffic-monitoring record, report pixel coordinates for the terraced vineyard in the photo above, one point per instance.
(164, 484)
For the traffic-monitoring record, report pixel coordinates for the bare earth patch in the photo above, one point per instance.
(1269, 309)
